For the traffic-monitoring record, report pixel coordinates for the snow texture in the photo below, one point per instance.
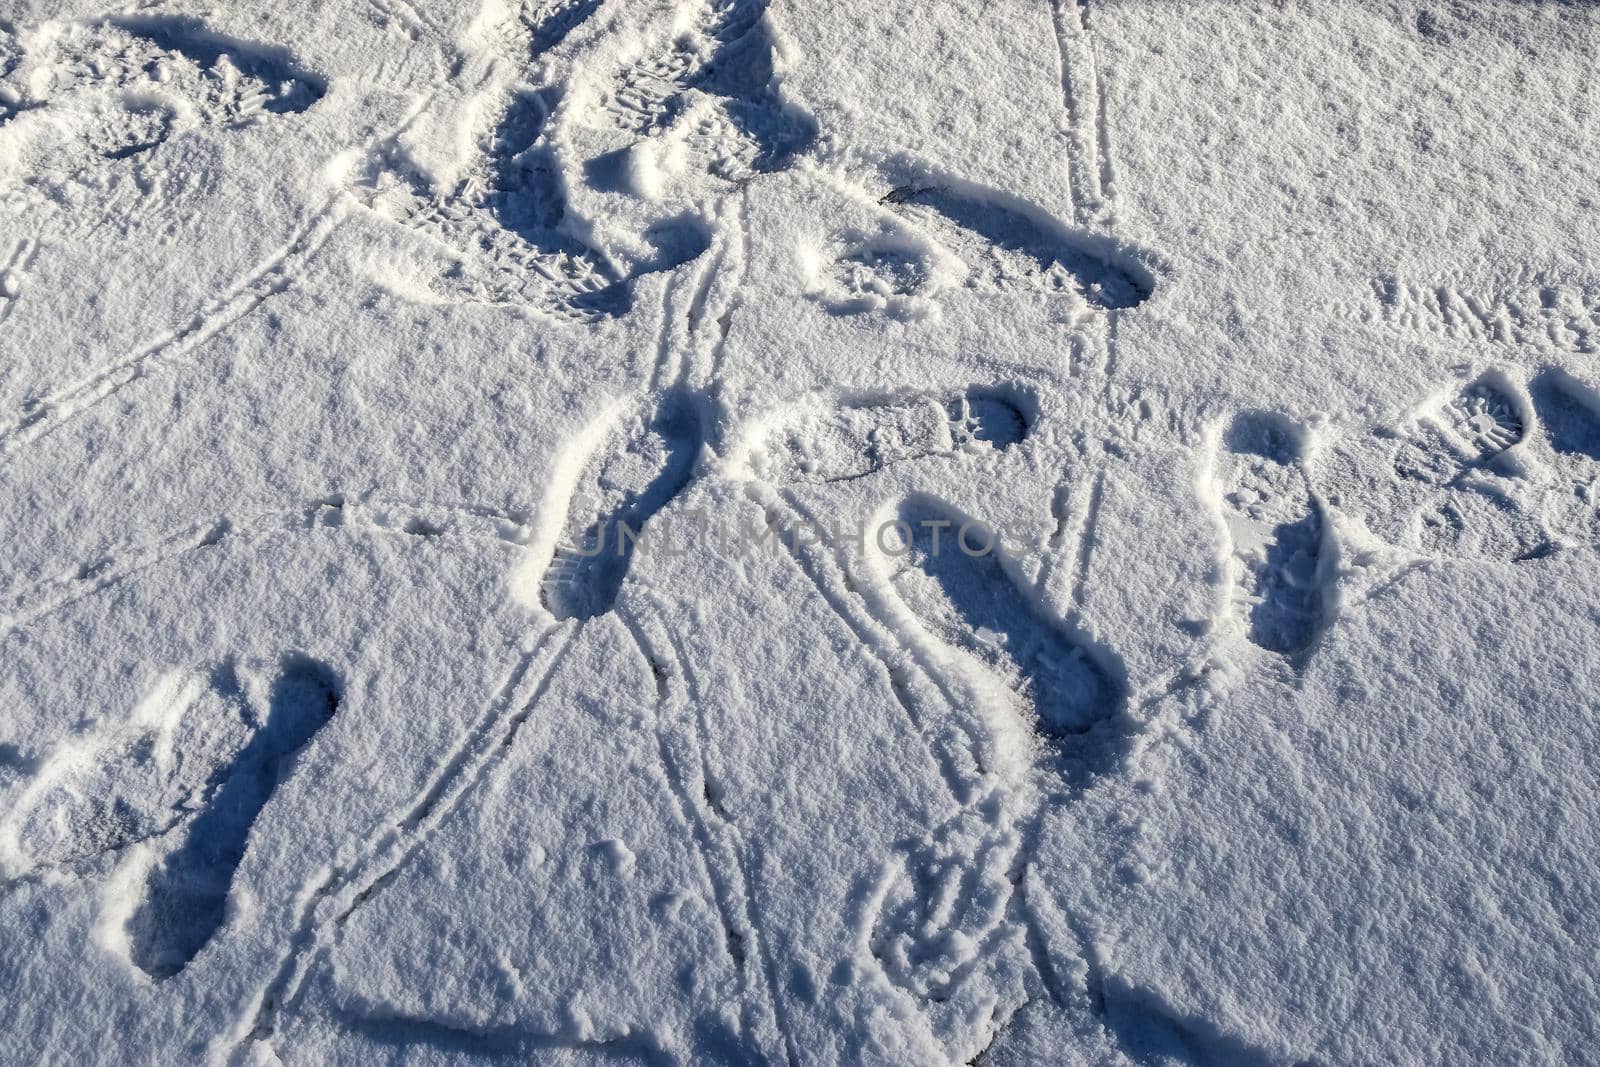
(791, 532)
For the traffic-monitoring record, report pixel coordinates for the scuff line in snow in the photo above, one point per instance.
(840, 592)
(357, 515)
(1088, 539)
(741, 255)
(708, 326)
(1074, 514)
(1109, 337)
(702, 292)
(718, 841)
(43, 416)
(685, 357)
(347, 887)
(736, 934)
(676, 351)
(1088, 164)
(1102, 120)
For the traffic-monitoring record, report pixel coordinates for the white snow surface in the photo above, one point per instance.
(1261, 335)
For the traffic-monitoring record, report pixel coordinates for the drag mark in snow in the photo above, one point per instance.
(717, 839)
(1074, 539)
(678, 349)
(45, 415)
(368, 514)
(276, 275)
(717, 295)
(1088, 539)
(1275, 530)
(1088, 140)
(386, 850)
(952, 745)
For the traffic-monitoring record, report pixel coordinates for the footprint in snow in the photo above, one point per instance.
(944, 930)
(1006, 249)
(708, 99)
(504, 220)
(1466, 475)
(1569, 418)
(877, 275)
(951, 579)
(109, 89)
(639, 466)
(186, 891)
(947, 930)
(818, 444)
(1275, 534)
(133, 781)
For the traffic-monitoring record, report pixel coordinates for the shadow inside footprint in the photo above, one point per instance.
(741, 73)
(1569, 412)
(1277, 533)
(993, 419)
(645, 466)
(187, 892)
(1007, 245)
(549, 23)
(285, 87)
(955, 584)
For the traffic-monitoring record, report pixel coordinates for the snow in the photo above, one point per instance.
(722, 531)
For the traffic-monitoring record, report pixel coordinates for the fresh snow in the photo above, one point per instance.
(750, 531)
